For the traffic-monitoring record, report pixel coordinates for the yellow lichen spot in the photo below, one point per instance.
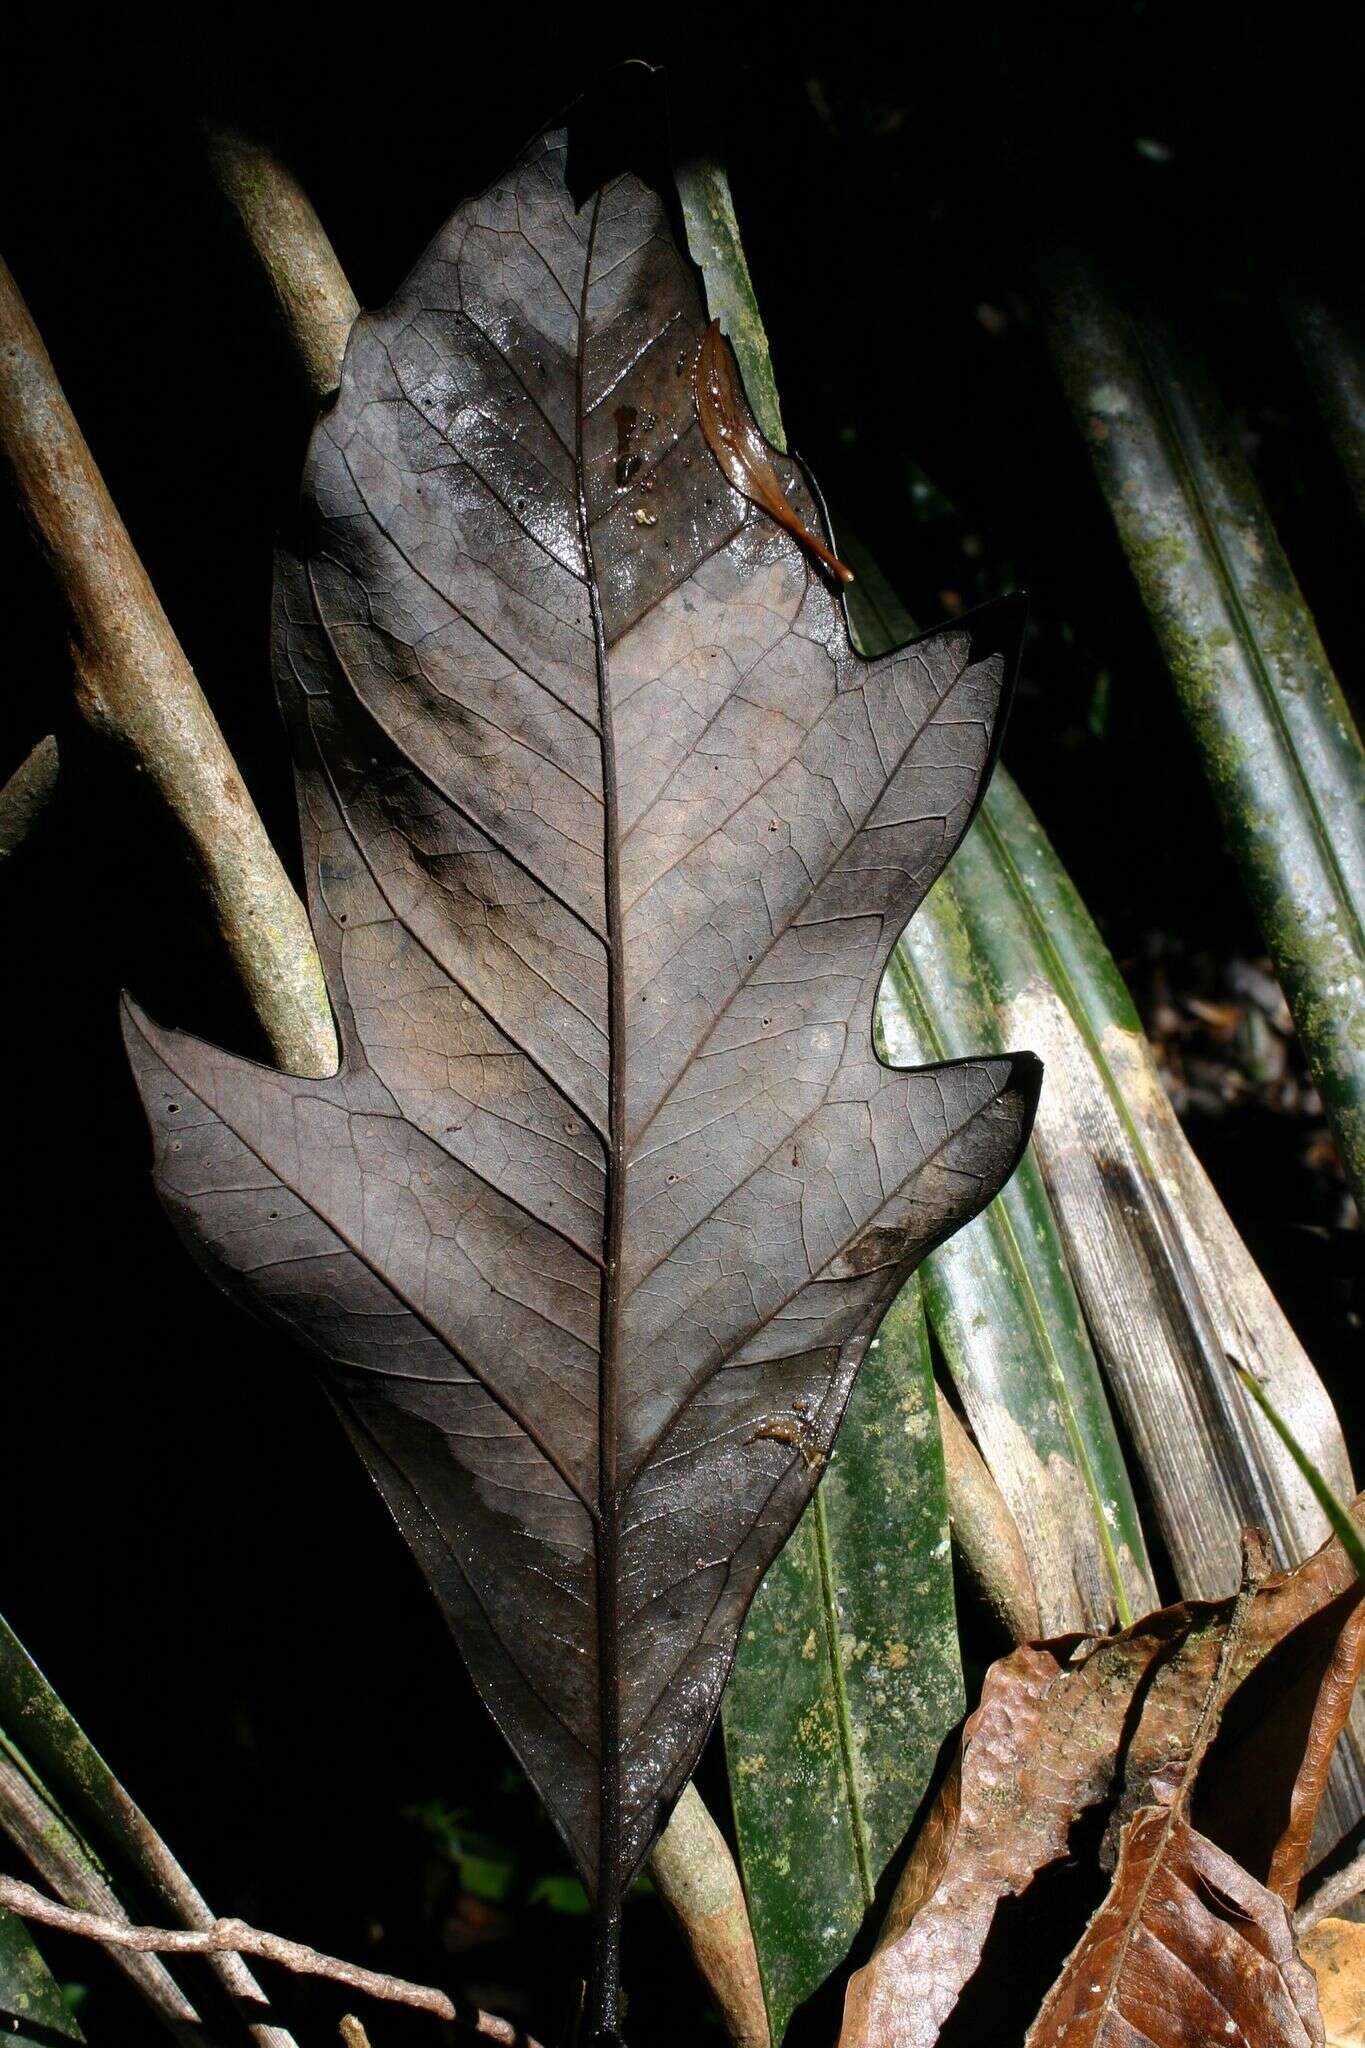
(750, 1766)
(812, 1731)
(897, 1656)
(808, 1648)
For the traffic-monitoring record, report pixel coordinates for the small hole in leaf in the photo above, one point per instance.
(172, 1107)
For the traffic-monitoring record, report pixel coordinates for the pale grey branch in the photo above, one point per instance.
(135, 687)
(985, 1533)
(236, 1937)
(312, 295)
(1332, 1894)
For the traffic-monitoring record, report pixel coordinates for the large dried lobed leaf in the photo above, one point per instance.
(608, 835)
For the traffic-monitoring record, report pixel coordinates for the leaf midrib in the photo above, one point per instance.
(842, 1711)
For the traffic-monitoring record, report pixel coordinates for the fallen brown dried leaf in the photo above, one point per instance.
(1186, 1950)
(1331, 1711)
(1058, 1723)
(1187, 1947)
(1041, 1748)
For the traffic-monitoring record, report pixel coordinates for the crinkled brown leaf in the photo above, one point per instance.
(1186, 1951)
(1041, 1748)
(608, 836)
(1064, 1726)
(1187, 1947)
(1330, 1714)
(1297, 1704)
(1287, 1700)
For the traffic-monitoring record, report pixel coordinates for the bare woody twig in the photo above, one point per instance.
(27, 794)
(61, 1858)
(312, 295)
(1332, 1894)
(235, 1936)
(135, 686)
(985, 1534)
(697, 1879)
(33, 1823)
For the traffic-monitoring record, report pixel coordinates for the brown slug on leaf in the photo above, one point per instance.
(740, 449)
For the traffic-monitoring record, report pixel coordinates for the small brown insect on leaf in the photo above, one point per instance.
(740, 449)
(798, 1434)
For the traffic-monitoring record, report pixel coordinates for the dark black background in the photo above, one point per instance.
(188, 1546)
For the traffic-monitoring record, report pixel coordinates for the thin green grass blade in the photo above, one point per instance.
(1343, 1528)
(64, 1808)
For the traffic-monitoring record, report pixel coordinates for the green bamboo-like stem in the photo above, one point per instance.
(1004, 1310)
(33, 2013)
(1282, 757)
(96, 1833)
